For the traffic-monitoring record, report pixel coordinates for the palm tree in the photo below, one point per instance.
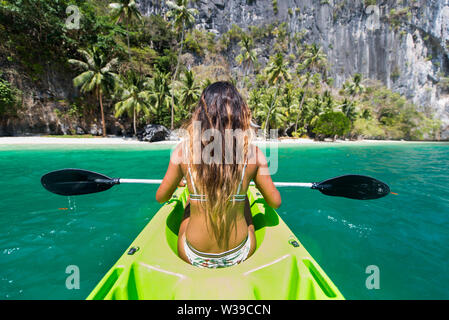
(277, 71)
(248, 55)
(315, 107)
(349, 109)
(160, 93)
(157, 6)
(355, 87)
(305, 86)
(190, 90)
(288, 101)
(255, 101)
(125, 11)
(328, 101)
(315, 58)
(134, 98)
(183, 17)
(275, 116)
(205, 83)
(366, 114)
(306, 114)
(97, 75)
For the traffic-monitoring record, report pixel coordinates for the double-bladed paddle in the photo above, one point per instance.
(72, 182)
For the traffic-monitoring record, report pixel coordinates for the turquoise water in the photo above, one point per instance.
(406, 235)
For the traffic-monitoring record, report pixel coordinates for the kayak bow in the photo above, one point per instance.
(280, 269)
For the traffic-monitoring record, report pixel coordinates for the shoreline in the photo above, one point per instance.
(37, 140)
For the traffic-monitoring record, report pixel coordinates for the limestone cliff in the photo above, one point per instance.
(404, 44)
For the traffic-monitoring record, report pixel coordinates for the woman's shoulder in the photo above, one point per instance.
(177, 153)
(255, 155)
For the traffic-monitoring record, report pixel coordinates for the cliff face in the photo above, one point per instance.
(45, 105)
(406, 45)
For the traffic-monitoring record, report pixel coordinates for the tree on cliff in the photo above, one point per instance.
(248, 55)
(97, 75)
(183, 17)
(315, 59)
(125, 11)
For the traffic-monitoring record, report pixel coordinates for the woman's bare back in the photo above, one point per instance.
(195, 227)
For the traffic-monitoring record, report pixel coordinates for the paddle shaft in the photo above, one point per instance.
(73, 182)
(277, 184)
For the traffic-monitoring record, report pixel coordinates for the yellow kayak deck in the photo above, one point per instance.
(280, 269)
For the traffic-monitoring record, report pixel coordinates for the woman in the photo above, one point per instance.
(217, 229)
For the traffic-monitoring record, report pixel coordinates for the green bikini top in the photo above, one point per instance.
(201, 197)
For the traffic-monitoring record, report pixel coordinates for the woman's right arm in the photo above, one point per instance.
(264, 183)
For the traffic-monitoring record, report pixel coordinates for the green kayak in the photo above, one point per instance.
(280, 269)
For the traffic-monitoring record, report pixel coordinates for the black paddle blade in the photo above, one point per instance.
(72, 182)
(353, 187)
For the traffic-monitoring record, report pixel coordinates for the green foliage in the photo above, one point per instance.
(395, 74)
(395, 116)
(160, 87)
(431, 128)
(200, 41)
(69, 112)
(190, 91)
(277, 70)
(37, 29)
(125, 11)
(444, 83)
(368, 128)
(8, 98)
(158, 33)
(370, 2)
(248, 55)
(234, 34)
(396, 17)
(332, 124)
(292, 93)
(134, 98)
(97, 75)
(315, 59)
(97, 71)
(270, 112)
(183, 17)
(349, 110)
(274, 3)
(354, 87)
(166, 62)
(258, 33)
(181, 14)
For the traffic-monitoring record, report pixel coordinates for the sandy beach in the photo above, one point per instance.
(37, 140)
(65, 141)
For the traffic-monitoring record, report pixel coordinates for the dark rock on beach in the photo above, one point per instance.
(153, 133)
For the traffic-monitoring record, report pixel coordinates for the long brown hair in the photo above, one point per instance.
(221, 108)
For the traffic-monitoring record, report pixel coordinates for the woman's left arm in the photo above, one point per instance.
(172, 177)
